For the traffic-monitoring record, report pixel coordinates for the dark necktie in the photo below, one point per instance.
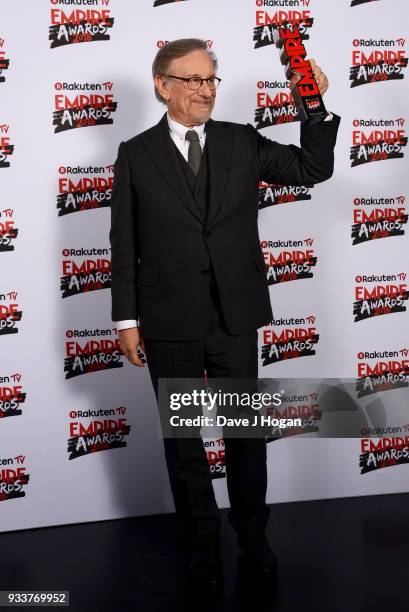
(195, 151)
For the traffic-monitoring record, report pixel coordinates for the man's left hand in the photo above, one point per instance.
(320, 77)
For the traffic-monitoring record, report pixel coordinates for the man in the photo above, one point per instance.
(188, 275)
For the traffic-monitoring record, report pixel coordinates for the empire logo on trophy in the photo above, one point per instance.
(293, 55)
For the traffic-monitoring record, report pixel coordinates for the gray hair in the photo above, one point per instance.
(174, 50)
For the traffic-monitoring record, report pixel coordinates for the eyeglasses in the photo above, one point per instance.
(194, 83)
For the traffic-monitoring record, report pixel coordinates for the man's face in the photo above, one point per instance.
(184, 105)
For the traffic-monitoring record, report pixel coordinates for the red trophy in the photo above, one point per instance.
(306, 93)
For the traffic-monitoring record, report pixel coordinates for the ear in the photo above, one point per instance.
(162, 87)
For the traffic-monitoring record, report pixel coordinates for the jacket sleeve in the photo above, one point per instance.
(123, 237)
(311, 163)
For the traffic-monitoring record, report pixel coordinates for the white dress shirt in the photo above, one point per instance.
(178, 134)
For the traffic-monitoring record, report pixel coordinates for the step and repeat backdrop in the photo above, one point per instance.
(79, 429)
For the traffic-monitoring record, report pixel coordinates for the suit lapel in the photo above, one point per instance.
(219, 148)
(159, 145)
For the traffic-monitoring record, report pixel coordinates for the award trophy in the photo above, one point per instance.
(306, 93)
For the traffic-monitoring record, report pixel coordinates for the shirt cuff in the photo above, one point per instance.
(126, 324)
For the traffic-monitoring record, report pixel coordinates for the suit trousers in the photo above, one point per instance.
(223, 356)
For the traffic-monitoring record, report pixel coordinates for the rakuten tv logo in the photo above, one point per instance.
(275, 108)
(6, 147)
(288, 260)
(381, 294)
(13, 477)
(84, 355)
(92, 435)
(85, 270)
(376, 218)
(10, 315)
(270, 194)
(381, 371)
(377, 145)
(267, 21)
(79, 25)
(289, 339)
(83, 110)
(357, 2)
(374, 65)
(161, 43)
(8, 230)
(383, 452)
(4, 62)
(12, 395)
(83, 188)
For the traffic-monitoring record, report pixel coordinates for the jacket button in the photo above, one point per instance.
(205, 272)
(208, 234)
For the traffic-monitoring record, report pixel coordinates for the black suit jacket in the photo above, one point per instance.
(160, 244)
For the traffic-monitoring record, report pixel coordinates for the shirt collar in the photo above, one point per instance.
(180, 130)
